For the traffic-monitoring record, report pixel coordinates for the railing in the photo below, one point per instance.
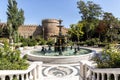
(34, 72)
(91, 73)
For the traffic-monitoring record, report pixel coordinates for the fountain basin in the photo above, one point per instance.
(59, 59)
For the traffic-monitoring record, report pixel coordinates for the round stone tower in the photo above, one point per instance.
(50, 28)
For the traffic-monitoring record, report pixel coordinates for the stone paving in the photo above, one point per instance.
(63, 71)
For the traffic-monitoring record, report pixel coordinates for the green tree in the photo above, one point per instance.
(112, 25)
(15, 17)
(90, 13)
(76, 30)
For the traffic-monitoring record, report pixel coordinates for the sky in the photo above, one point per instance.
(37, 10)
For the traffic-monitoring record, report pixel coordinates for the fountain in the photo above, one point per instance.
(60, 52)
(60, 44)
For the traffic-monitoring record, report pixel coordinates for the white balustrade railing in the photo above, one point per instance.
(91, 73)
(34, 72)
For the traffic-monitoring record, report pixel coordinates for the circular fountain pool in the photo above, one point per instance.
(54, 57)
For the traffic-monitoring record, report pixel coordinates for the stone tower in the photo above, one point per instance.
(50, 28)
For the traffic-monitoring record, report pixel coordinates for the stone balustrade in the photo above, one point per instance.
(89, 72)
(34, 72)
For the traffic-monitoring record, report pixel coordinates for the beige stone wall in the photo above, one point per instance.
(29, 30)
(48, 29)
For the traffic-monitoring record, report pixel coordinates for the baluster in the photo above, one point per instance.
(22, 76)
(93, 77)
(11, 77)
(88, 74)
(116, 76)
(2, 77)
(17, 76)
(27, 76)
(103, 76)
(85, 69)
(90, 78)
(31, 76)
(108, 76)
(34, 74)
(97, 76)
(82, 71)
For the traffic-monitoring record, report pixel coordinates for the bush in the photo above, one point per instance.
(11, 60)
(102, 44)
(91, 42)
(109, 58)
(70, 43)
(81, 43)
(29, 42)
(50, 42)
(42, 42)
(32, 42)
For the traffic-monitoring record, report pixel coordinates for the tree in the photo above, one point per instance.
(101, 30)
(112, 25)
(90, 13)
(4, 31)
(76, 30)
(15, 17)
